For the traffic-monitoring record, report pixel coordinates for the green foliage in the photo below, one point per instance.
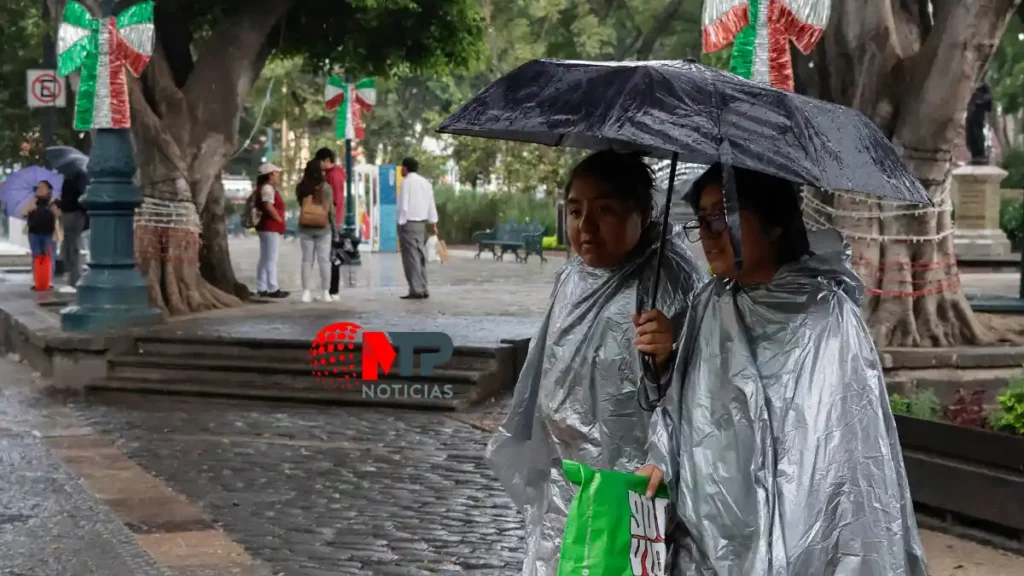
(1006, 71)
(462, 214)
(899, 404)
(551, 243)
(920, 404)
(1013, 162)
(924, 404)
(1010, 416)
(22, 47)
(1011, 218)
(519, 30)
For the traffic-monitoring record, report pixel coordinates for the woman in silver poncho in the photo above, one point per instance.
(577, 394)
(775, 437)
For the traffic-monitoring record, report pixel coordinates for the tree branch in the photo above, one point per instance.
(229, 63)
(661, 25)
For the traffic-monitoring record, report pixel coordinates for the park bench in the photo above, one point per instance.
(511, 237)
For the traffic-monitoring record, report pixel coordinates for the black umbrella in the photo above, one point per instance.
(70, 162)
(683, 110)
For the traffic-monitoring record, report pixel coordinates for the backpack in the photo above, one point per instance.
(313, 215)
(252, 212)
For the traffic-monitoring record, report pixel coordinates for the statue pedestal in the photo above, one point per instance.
(976, 199)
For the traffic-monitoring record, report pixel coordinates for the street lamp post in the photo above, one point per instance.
(349, 229)
(111, 294)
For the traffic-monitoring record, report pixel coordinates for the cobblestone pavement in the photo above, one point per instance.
(318, 491)
(49, 523)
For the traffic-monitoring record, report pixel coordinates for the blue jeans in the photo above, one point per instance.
(42, 245)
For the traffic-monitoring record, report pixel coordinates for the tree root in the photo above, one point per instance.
(169, 261)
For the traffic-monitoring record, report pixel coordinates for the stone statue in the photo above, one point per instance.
(978, 109)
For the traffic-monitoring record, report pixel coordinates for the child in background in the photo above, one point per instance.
(41, 216)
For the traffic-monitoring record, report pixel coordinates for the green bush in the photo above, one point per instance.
(1011, 218)
(920, 404)
(462, 214)
(1010, 415)
(1013, 162)
(899, 404)
(551, 243)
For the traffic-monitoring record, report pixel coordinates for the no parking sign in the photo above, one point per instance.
(46, 89)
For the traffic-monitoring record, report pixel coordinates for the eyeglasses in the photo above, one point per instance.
(705, 226)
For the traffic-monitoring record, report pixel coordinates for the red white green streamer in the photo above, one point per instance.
(351, 101)
(103, 48)
(760, 32)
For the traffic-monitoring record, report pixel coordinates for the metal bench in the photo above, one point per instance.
(511, 237)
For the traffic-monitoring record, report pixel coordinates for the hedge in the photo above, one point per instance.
(462, 214)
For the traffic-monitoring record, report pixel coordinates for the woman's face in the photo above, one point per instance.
(758, 248)
(602, 229)
(275, 178)
(42, 190)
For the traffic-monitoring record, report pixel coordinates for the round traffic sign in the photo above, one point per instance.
(47, 88)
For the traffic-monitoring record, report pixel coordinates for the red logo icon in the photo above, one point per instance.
(334, 354)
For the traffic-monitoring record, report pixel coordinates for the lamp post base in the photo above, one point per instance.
(112, 294)
(108, 300)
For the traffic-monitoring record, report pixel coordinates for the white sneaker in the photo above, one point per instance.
(307, 296)
(327, 296)
(67, 290)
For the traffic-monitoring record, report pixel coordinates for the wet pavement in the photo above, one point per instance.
(49, 523)
(317, 491)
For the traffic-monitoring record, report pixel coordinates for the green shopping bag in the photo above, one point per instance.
(613, 529)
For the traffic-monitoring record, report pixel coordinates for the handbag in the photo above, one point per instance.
(313, 215)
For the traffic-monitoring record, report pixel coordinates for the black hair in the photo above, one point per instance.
(776, 202)
(627, 176)
(410, 164)
(325, 154)
(48, 185)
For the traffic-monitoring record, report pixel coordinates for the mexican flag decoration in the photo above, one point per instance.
(103, 49)
(351, 101)
(760, 32)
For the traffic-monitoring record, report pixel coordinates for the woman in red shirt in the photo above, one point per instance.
(270, 230)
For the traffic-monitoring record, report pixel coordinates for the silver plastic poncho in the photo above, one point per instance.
(776, 437)
(576, 397)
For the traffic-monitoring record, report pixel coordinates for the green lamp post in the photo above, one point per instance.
(112, 293)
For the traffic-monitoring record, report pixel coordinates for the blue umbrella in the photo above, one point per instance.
(20, 187)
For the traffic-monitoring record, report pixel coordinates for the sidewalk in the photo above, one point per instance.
(69, 497)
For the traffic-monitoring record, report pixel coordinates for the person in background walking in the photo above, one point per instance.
(334, 176)
(74, 222)
(316, 229)
(41, 216)
(416, 211)
(270, 229)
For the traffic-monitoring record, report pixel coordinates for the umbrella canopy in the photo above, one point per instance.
(70, 162)
(20, 187)
(698, 113)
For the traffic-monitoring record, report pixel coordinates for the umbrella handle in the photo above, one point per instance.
(731, 201)
(646, 360)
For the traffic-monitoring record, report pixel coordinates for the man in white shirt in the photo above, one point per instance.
(416, 209)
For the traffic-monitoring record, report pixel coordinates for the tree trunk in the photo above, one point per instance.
(912, 73)
(185, 117)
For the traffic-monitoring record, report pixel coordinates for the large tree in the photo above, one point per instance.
(187, 106)
(910, 66)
